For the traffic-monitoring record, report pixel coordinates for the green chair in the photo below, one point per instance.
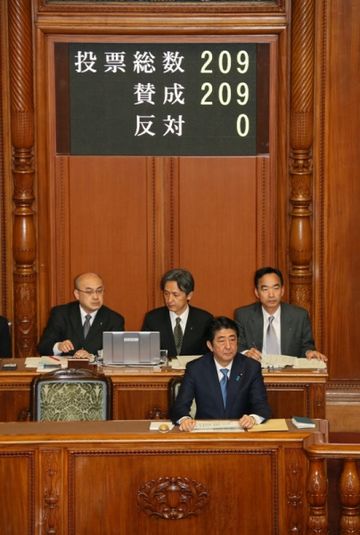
(70, 395)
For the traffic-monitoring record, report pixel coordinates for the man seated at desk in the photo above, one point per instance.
(271, 326)
(5, 339)
(182, 327)
(76, 328)
(224, 383)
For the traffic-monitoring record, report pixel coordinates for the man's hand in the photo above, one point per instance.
(253, 353)
(247, 421)
(82, 354)
(313, 354)
(65, 346)
(187, 424)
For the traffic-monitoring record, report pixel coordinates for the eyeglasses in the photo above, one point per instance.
(98, 291)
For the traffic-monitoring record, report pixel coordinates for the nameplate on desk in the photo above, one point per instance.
(216, 426)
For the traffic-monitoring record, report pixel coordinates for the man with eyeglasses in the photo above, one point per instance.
(76, 328)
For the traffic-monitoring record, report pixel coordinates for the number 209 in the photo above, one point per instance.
(225, 61)
(224, 94)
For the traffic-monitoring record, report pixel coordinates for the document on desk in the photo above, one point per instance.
(282, 361)
(179, 362)
(216, 426)
(46, 364)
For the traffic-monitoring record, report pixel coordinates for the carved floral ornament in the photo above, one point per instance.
(173, 498)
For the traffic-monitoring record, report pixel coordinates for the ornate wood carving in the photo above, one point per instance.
(51, 486)
(173, 498)
(295, 484)
(301, 139)
(317, 496)
(350, 498)
(22, 137)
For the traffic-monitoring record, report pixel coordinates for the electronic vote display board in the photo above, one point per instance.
(162, 99)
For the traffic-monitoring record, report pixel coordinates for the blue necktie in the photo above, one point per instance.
(224, 383)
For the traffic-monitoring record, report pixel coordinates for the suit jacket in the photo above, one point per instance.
(295, 327)
(5, 340)
(65, 324)
(246, 393)
(194, 338)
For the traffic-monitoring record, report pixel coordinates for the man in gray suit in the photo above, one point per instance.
(290, 325)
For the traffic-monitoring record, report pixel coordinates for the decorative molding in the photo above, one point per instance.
(60, 221)
(168, 6)
(320, 316)
(173, 497)
(295, 479)
(51, 487)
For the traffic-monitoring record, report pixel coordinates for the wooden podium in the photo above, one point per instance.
(119, 478)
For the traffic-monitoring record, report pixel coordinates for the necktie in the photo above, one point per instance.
(272, 344)
(87, 325)
(224, 383)
(178, 336)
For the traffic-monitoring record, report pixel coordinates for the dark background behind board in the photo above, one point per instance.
(101, 115)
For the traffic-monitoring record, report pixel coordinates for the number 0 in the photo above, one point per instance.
(242, 125)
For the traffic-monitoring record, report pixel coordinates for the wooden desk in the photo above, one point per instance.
(118, 478)
(144, 394)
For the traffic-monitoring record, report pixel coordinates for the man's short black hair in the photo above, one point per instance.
(182, 277)
(221, 322)
(267, 271)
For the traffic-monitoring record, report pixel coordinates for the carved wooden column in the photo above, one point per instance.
(317, 497)
(350, 498)
(22, 137)
(301, 138)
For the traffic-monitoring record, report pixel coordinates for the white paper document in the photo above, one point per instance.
(280, 361)
(46, 364)
(217, 425)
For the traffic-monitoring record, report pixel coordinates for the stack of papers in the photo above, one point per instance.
(280, 361)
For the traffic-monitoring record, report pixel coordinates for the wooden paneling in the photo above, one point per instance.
(221, 223)
(17, 488)
(343, 191)
(107, 218)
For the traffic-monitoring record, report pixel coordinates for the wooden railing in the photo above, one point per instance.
(348, 487)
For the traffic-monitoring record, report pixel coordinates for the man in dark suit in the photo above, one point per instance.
(224, 383)
(76, 328)
(182, 327)
(5, 339)
(291, 324)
